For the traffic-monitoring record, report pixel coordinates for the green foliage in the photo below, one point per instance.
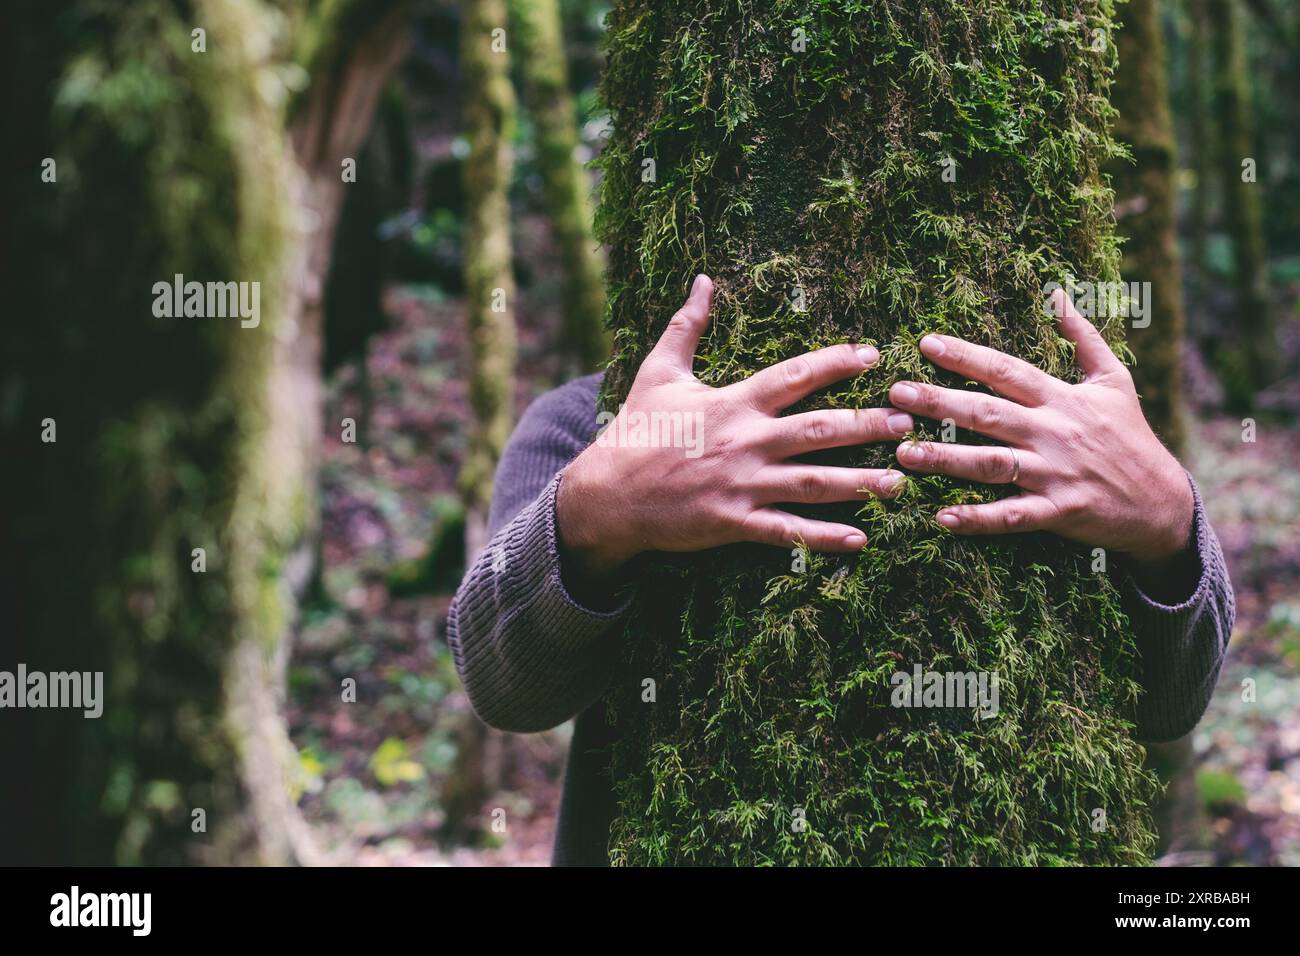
(822, 169)
(391, 764)
(1219, 789)
(444, 565)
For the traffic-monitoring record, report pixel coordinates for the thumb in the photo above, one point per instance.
(676, 347)
(1090, 349)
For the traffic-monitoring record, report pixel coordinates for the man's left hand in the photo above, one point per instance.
(1087, 463)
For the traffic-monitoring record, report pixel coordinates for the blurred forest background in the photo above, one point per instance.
(334, 466)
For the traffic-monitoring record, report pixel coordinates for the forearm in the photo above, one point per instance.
(530, 655)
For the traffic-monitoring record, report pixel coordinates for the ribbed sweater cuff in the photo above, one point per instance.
(576, 624)
(1182, 645)
(530, 655)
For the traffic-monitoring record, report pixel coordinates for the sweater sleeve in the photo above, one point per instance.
(1182, 645)
(529, 655)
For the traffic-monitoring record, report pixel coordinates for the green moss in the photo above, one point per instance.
(546, 90)
(489, 118)
(1250, 363)
(823, 170)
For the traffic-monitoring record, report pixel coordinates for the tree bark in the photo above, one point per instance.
(1251, 363)
(490, 296)
(175, 433)
(1199, 144)
(806, 162)
(550, 106)
(1144, 210)
(489, 281)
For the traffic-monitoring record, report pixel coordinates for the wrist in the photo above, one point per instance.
(593, 548)
(1170, 539)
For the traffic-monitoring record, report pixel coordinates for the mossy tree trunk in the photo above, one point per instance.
(803, 157)
(550, 107)
(1144, 209)
(1200, 147)
(489, 122)
(1250, 364)
(173, 433)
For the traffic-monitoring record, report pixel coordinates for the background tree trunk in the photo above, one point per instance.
(490, 301)
(550, 106)
(800, 159)
(1144, 210)
(174, 433)
(1250, 365)
(489, 281)
(1199, 145)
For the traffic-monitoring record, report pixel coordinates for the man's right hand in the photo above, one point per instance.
(615, 502)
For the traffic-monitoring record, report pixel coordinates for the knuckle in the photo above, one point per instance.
(797, 372)
(818, 431)
(781, 531)
(721, 445)
(989, 468)
(1076, 434)
(1002, 368)
(1015, 516)
(810, 486)
(679, 323)
(987, 414)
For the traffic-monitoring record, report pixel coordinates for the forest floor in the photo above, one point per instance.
(375, 770)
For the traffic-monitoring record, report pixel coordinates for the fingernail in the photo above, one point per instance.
(932, 345)
(868, 355)
(698, 283)
(948, 519)
(855, 540)
(900, 423)
(910, 451)
(892, 482)
(904, 393)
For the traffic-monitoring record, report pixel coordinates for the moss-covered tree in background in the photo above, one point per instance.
(802, 154)
(175, 154)
(1196, 98)
(489, 122)
(1144, 210)
(1250, 364)
(541, 59)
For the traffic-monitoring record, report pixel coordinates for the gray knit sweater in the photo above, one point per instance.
(532, 657)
